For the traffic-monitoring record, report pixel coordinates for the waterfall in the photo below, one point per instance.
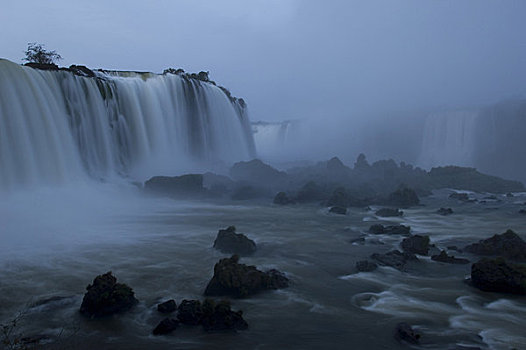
(56, 126)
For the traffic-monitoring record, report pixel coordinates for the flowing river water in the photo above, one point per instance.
(162, 248)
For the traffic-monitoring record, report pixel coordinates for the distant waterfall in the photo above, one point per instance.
(56, 126)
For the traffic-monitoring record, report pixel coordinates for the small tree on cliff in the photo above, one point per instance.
(36, 53)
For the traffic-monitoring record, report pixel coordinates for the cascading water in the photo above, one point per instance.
(56, 126)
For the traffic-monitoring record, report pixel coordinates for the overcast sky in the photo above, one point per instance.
(291, 58)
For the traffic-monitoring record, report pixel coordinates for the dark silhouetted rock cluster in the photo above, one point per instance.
(404, 332)
(230, 242)
(443, 257)
(394, 258)
(167, 307)
(239, 280)
(404, 197)
(106, 297)
(416, 244)
(445, 211)
(497, 275)
(508, 245)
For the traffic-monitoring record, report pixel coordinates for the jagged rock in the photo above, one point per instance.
(416, 244)
(463, 197)
(338, 210)
(166, 326)
(394, 258)
(404, 197)
(258, 173)
(82, 71)
(404, 332)
(379, 229)
(190, 312)
(388, 212)
(499, 276)
(508, 245)
(443, 257)
(310, 192)
(185, 185)
(106, 297)
(240, 280)
(282, 199)
(167, 307)
(366, 266)
(219, 317)
(445, 211)
(230, 242)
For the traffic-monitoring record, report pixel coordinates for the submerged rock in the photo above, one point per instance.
(499, 276)
(282, 199)
(404, 197)
(167, 307)
(379, 229)
(394, 258)
(338, 210)
(366, 266)
(404, 332)
(240, 280)
(166, 326)
(443, 257)
(230, 242)
(508, 245)
(445, 211)
(388, 212)
(106, 297)
(463, 197)
(416, 244)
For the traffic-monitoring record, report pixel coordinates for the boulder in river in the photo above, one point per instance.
(167, 307)
(166, 326)
(379, 229)
(106, 297)
(497, 275)
(366, 266)
(239, 280)
(404, 332)
(394, 258)
(416, 244)
(219, 317)
(508, 245)
(230, 242)
(338, 210)
(445, 211)
(443, 257)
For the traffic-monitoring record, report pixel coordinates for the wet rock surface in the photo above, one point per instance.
(404, 332)
(416, 244)
(444, 258)
(107, 297)
(378, 229)
(239, 280)
(498, 275)
(166, 326)
(508, 245)
(394, 258)
(445, 211)
(366, 266)
(388, 212)
(230, 242)
(167, 307)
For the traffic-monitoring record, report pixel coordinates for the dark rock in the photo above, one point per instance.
(445, 211)
(359, 240)
(166, 326)
(219, 317)
(106, 297)
(508, 245)
(338, 210)
(463, 197)
(167, 307)
(416, 244)
(388, 212)
(454, 247)
(509, 195)
(522, 211)
(82, 71)
(282, 199)
(190, 312)
(394, 258)
(185, 185)
(240, 280)
(404, 332)
(499, 276)
(343, 198)
(230, 242)
(379, 229)
(42, 66)
(404, 197)
(258, 173)
(366, 266)
(311, 192)
(443, 257)
(218, 184)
